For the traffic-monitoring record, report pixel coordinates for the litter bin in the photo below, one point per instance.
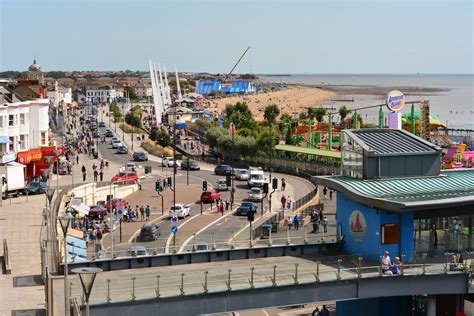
(147, 169)
(275, 226)
(266, 231)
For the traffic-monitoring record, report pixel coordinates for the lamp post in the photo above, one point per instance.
(232, 175)
(110, 218)
(57, 152)
(87, 277)
(65, 220)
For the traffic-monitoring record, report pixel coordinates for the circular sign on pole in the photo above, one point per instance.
(395, 100)
(174, 220)
(174, 229)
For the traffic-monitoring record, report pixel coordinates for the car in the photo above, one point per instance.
(113, 139)
(116, 143)
(169, 162)
(242, 174)
(137, 251)
(190, 165)
(125, 176)
(122, 150)
(210, 196)
(101, 124)
(149, 232)
(140, 156)
(222, 185)
(181, 210)
(131, 166)
(96, 134)
(223, 170)
(109, 134)
(201, 246)
(246, 207)
(255, 194)
(36, 187)
(115, 202)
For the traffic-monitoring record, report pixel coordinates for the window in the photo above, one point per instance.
(43, 138)
(389, 234)
(11, 144)
(1, 122)
(11, 120)
(22, 142)
(22, 118)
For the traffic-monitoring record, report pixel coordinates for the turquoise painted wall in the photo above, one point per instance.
(364, 238)
(383, 306)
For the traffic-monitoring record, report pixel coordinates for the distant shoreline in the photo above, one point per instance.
(373, 89)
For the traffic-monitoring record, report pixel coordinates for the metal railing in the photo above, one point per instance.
(6, 259)
(231, 278)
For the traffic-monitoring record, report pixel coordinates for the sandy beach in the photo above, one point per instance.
(292, 101)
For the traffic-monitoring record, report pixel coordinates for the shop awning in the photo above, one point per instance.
(309, 151)
(4, 140)
(24, 157)
(81, 209)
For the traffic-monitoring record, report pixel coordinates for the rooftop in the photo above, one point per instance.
(450, 188)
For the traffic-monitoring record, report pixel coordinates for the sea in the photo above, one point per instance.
(451, 97)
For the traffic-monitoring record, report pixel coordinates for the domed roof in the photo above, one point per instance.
(34, 66)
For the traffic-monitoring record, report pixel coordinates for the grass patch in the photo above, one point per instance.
(130, 129)
(156, 150)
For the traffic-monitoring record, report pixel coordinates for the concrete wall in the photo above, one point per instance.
(386, 306)
(91, 193)
(367, 242)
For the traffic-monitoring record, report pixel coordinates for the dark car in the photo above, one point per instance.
(190, 164)
(246, 207)
(96, 134)
(223, 170)
(140, 156)
(109, 134)
(36, 187)
(149, 232)
(122, 150)
(101, 124)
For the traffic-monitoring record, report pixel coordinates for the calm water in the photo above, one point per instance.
(454, 107)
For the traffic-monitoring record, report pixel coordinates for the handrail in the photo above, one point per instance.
(6, 259)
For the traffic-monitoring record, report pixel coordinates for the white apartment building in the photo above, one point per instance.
(101, 95)
(60, 95)
(23, 125)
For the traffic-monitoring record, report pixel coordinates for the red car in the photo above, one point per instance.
(115, 202)
(125, 177)
(210, 196)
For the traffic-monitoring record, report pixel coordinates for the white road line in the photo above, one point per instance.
(265, 312)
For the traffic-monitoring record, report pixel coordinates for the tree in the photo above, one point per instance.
(319, 114)
(154, 133)
(303, 115)
(163, 138)
(285, 117)
(271, 112)
(131, 92)
(240, 115)
(290, 138)
(343, 112)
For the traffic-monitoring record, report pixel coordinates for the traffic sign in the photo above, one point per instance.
(174, 229)
(174, 220)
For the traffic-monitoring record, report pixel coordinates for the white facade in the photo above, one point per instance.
(23, 125)
(102, 95)
(60, 94)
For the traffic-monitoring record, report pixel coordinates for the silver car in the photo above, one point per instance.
(255, 194)
(242, 174)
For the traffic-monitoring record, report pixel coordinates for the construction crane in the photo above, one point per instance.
(238, 61)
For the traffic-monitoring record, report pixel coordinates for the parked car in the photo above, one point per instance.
(242, 174)
(109, 134)
(101, 124)
(169, 162)
(137, 251)
(126, 176)
(210, 196)
(223, 170)
(202, 246)
(181, 210)
(122, 150)
(115, 202)
(255, 194)
(36, 187)
(140, 156)
(222, 185)
(190, 164)
(149, 232)
(246, 207)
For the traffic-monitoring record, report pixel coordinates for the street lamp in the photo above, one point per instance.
(65, 221)
(57, 152)
(87, 277)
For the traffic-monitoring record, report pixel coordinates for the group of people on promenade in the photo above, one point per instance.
(318, 219)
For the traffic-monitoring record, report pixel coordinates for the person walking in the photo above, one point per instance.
(283, 202)
(315, 312)
(101, 175)
(96, 174)
(77, 159)
(142, 213)
(83, 169)
(289, 222)
(325, 224)
(325, 192)
(321, 215)
(324, 311)
(283, 184)
(330, 194)
(288, 202)
(148, 212)
(296, 221)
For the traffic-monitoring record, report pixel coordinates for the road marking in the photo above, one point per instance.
(265, 312)
(186, 242)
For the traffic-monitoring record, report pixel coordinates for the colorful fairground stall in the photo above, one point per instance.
(392, 196)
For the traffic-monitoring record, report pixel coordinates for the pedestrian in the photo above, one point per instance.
(283, 202)
(101, 175)
(77, 159)
(202, 156)
(315, 312)
(283, 184)
(324, 311)
(321, 215)
(325, 192)
(289, 222)
(325, 224)
(106, 165)
(296, 221)
(96, 174)
(330, 194)
(288, 202)
(386, 263)
(136, 211)
(142, 213)
(148, 212)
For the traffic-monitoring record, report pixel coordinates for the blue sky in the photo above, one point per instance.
(292, 36)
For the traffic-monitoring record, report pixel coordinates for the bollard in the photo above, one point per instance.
(295, 277)
(251, 277)
(157, 290)
(133, 289)
(305, 235)
(204, 285)
(423, 268)
(213, 241)
(338, 273)
(108, 290)
(316, 275)
(270, 237)
(194, 242)
(359, 267)
(287, 236)
(232, 245)
(274, 283)
(181, 288)
(228, 280)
